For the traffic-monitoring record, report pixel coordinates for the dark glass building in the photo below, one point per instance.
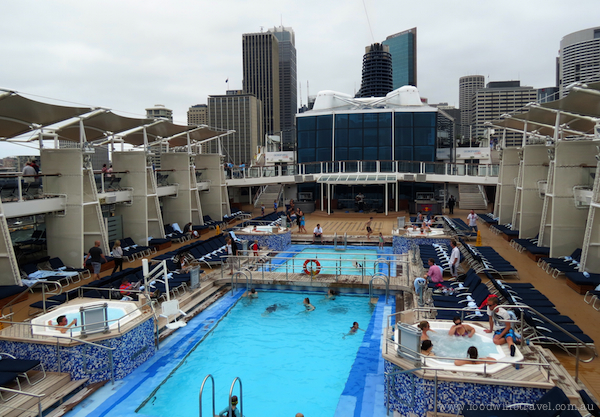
(403, 48)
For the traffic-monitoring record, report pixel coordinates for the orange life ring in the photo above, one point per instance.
(314, 270)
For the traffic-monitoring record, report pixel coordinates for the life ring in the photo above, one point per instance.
(312, 271)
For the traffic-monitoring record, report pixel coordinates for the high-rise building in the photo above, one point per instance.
(197, 115)
(260, 62)
(159, 111)
(242, 113)
(403, 48)
(288, 85)
(547, 94)
(467, 86)
(376, 71)
(496, 99)
(579, 58)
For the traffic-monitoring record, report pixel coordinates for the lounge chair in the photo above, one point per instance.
(21, 366)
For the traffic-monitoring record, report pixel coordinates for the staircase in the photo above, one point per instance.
(471, 197)
(269, 194)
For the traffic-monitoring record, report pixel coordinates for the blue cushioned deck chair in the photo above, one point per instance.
(551, 404)
(21, 366)
(590, 406)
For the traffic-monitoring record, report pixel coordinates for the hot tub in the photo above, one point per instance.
(417, 233)
(119, 313)
(456, 347)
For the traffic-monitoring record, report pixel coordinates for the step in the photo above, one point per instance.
(561, 376)
(55, 397)
(53, 382)
(76, 399)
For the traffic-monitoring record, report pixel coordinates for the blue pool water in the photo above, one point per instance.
(346, 262)
(289, 360)
(456, 347)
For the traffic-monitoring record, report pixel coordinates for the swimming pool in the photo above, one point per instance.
(350, 261)
(289, 360)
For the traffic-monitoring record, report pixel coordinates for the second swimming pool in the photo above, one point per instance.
(289, 360)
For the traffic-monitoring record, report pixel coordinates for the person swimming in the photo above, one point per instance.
(307, 305)
(353, 330)
(271, 308)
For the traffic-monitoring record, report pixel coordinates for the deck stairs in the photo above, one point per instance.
(472, 197)
(269, 194)
(54, 387)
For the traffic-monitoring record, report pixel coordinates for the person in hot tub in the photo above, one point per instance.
(427, 348)
(61, 324)
(473, 356)
(460, 329)
(424, 326)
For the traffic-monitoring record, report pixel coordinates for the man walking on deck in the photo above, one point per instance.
(96, 258)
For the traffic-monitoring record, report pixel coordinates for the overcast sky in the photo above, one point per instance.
(128, 54)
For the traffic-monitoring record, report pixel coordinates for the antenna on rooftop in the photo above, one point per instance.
(261, 29)
(368, 22)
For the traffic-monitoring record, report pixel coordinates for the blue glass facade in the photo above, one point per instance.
(383, 136)
(403, 48)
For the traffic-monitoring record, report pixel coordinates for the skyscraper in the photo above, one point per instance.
(159, 111)
(242, 113)
(579, 58)
(197, 115)
(403, 47)
(288, 85)
(260, 61)
(376, 72)
(496, 99)
(467, 86)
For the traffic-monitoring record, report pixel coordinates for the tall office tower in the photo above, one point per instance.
(579, 58)
(159, 111)
(403, 47)
(288, 85)
(496, 99)
(260, 61)
(242, 113)
(467, 86)
(376, 72)
(197, 115)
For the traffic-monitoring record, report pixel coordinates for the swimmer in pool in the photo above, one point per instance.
(460, 329)
(307, 305)
(356, 265)
(270, 309)
(252, 294)
(472, 354)
(331, 294)
(353, 330)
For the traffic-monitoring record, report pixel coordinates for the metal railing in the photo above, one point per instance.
(28, 394)
(374, 166)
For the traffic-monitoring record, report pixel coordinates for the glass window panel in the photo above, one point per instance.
(404, 136)
(306, 123)
(341, 154)
(385, 120)
(424, 119)
(306, 139)
(355, 137)
(370, 137)
(325, 122)
(306, 155)
(385, 136)
(424, 136)
(369, 166)
(385, 153)
(355, 121)
(323, 154)
(370, 120)
(404, 119)
(424, 153)
(404, 153)
(370, 154)
(341, 137)
(324, 138)
(341, 121)
(355, 153)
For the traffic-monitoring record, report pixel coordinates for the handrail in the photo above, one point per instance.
(385, 279)
(213, 394)
(28, 394)
(237, 378)
(13, 301)
(110, 353)
(387, 375)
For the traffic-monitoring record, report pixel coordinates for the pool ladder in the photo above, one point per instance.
(335, 241)
(214, 413)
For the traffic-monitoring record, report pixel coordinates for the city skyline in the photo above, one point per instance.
(110, 56)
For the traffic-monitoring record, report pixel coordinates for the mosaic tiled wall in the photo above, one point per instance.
(131, 350)
(402, 244)
(451, 395)
(276, 242)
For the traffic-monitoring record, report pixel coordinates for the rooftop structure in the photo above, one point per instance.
(159, 111)
(376, 71)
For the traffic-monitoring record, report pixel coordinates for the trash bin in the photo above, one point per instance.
(244, 248)
(401, 221)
